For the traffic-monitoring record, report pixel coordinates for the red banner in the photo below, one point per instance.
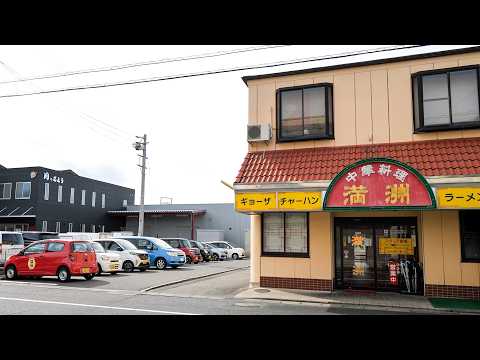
(379, 183)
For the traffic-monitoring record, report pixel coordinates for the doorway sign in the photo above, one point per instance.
(379, 183)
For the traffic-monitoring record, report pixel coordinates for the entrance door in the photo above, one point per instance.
(358, 256)
(377, 253)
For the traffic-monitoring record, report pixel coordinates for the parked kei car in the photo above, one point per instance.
(160, 253)
(192, 254)
(56, 257)
(206, 254)
(130, 257)
(32, 236)
(217, 253)
(233, 252)
(106, 262)
(11, 243)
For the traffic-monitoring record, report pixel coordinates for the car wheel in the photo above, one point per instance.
(215, 257)
(63, 274)
(128, 266)
(99, 272)
(89, 276)
(11, 272)
(160, 263)
(189, 260)
(235, 256)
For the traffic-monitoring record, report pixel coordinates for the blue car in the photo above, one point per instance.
(160, 253)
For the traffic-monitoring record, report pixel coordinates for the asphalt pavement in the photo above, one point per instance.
(196, 289)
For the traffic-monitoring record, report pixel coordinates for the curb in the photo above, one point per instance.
(352, 305)
(143, 291)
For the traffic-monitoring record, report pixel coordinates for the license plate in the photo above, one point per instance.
(113, 267)
(85, 270)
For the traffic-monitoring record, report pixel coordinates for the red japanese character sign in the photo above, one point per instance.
(379, 183)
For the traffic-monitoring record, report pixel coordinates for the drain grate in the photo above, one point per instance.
(262, 290)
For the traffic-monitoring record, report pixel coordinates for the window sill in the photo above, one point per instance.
(473, 261)
(427, 129)
(304, 138)
(290, 255)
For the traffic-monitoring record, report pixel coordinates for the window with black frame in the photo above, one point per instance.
(470, 235)
(285, 234)
(446, 99)
(305, 113)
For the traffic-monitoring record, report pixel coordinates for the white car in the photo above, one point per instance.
(130, 257)
(106, 262)
(234, 253)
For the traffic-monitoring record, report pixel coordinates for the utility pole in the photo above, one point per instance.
(142, 145)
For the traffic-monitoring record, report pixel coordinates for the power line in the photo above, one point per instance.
(145, 63)
(91, 119)
(213, 72)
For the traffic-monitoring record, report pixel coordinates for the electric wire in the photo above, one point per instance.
(145, 63)
(213, 72)
(91, 119)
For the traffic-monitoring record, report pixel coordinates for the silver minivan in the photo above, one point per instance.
(11, 243)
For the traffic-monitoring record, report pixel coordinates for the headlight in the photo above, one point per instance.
(171, 253)
(105, 258)
(133, 253)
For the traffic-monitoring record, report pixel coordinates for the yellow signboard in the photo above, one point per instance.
(291, 201)
(395, 246)
(255, 201)
(459, 198)
(300, 200)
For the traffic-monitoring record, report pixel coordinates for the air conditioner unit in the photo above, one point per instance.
(262, 132)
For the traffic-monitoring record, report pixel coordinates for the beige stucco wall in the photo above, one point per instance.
(320, 263)
(372, 104)
(442, 255)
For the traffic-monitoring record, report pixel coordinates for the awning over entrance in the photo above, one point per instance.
(431, 158)
(305, 179)
(17, 212)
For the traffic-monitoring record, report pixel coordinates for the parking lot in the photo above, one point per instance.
(150, 280)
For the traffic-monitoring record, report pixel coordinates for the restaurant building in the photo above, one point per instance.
(366, 176)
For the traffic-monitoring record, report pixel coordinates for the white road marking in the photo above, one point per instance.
(27, 283)
(96, 306)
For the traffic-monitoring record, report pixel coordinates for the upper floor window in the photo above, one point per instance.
(60, 192)
(46, 193)
(5, 191)
(23, 190)
(103, 201)
(94, 196)
(124, 204)
(446, 99)
(305, 113)
(83, 197)
(72, 195)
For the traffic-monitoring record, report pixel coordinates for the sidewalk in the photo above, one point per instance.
(384, 300)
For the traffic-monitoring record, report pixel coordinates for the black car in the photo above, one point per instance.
(32, 236)
(206, 254)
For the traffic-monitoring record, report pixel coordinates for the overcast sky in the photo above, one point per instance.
(196, 127)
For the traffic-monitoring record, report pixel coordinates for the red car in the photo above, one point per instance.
(191, 254)
(54, 257)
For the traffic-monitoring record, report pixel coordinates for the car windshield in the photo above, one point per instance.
(162, 244)
(12, 239)
(126, 244)
(185, 243)
(199, 245)
(98, 248)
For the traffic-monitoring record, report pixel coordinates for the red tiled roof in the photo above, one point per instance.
(431, 158)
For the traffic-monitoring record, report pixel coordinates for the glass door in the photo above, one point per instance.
(358, 256)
